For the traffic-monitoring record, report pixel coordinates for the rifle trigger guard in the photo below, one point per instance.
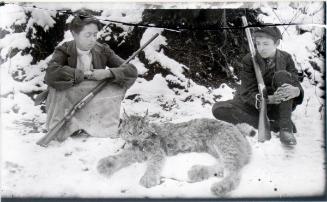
(257, 101)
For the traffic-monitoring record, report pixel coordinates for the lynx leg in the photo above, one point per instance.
(226, 185)
(109, 165)
(151, 176)
(233, 160)
(200, 172)
(232, 163)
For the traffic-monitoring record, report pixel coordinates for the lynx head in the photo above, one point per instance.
(134, 128)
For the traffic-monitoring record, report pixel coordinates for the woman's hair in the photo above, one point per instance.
(82, 18)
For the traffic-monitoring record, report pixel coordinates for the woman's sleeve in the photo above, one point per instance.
(58, 74)
(124, 74)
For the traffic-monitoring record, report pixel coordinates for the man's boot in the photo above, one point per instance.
(285, 123)
(287, 137)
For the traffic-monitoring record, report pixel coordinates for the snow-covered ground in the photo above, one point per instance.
(68, 169)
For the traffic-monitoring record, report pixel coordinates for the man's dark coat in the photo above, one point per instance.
(245, 95)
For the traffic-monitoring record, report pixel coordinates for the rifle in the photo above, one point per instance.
(44, 141)
(264, 125)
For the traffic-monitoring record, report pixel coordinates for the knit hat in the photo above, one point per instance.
(273, 32)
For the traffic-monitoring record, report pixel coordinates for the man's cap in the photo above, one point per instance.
(271, 31)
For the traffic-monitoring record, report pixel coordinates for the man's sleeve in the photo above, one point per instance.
(249, 86)
(294, 73)
(124, 75)
(59, 75)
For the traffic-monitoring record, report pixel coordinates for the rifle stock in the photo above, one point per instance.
(53, 132)
(44, 141)
(263, 126)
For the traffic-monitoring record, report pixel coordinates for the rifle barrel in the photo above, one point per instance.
(141, 48)
(252, 51)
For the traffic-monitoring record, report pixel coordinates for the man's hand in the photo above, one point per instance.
(98, 74)
(287, 92)
(274, 99)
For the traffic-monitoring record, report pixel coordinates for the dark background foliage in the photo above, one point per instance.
(202, 44)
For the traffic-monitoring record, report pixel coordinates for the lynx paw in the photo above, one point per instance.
(198, 173)
(107, 166)
(149, 180)
(221, 189)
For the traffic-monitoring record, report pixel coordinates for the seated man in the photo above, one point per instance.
(283, 88)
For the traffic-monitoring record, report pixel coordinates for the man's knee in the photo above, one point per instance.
(219, 109)
(231, 112)
(282, 77)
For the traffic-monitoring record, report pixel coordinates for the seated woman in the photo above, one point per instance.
(76, 67)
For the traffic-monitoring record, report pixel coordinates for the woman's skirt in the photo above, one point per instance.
(98, 118)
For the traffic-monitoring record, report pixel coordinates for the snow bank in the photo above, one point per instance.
(43, 18)
(152, 54)
(12, 41)
(11, 15)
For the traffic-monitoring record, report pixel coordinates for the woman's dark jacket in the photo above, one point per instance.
(62, 72)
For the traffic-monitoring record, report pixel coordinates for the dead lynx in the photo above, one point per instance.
(152, 142)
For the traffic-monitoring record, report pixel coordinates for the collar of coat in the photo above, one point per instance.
(71, 51)
(280, 59)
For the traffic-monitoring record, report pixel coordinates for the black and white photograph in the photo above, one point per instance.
(175, 100)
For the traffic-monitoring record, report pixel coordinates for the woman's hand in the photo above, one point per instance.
(98, 74)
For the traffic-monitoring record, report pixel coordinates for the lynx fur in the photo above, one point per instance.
(152, 142)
